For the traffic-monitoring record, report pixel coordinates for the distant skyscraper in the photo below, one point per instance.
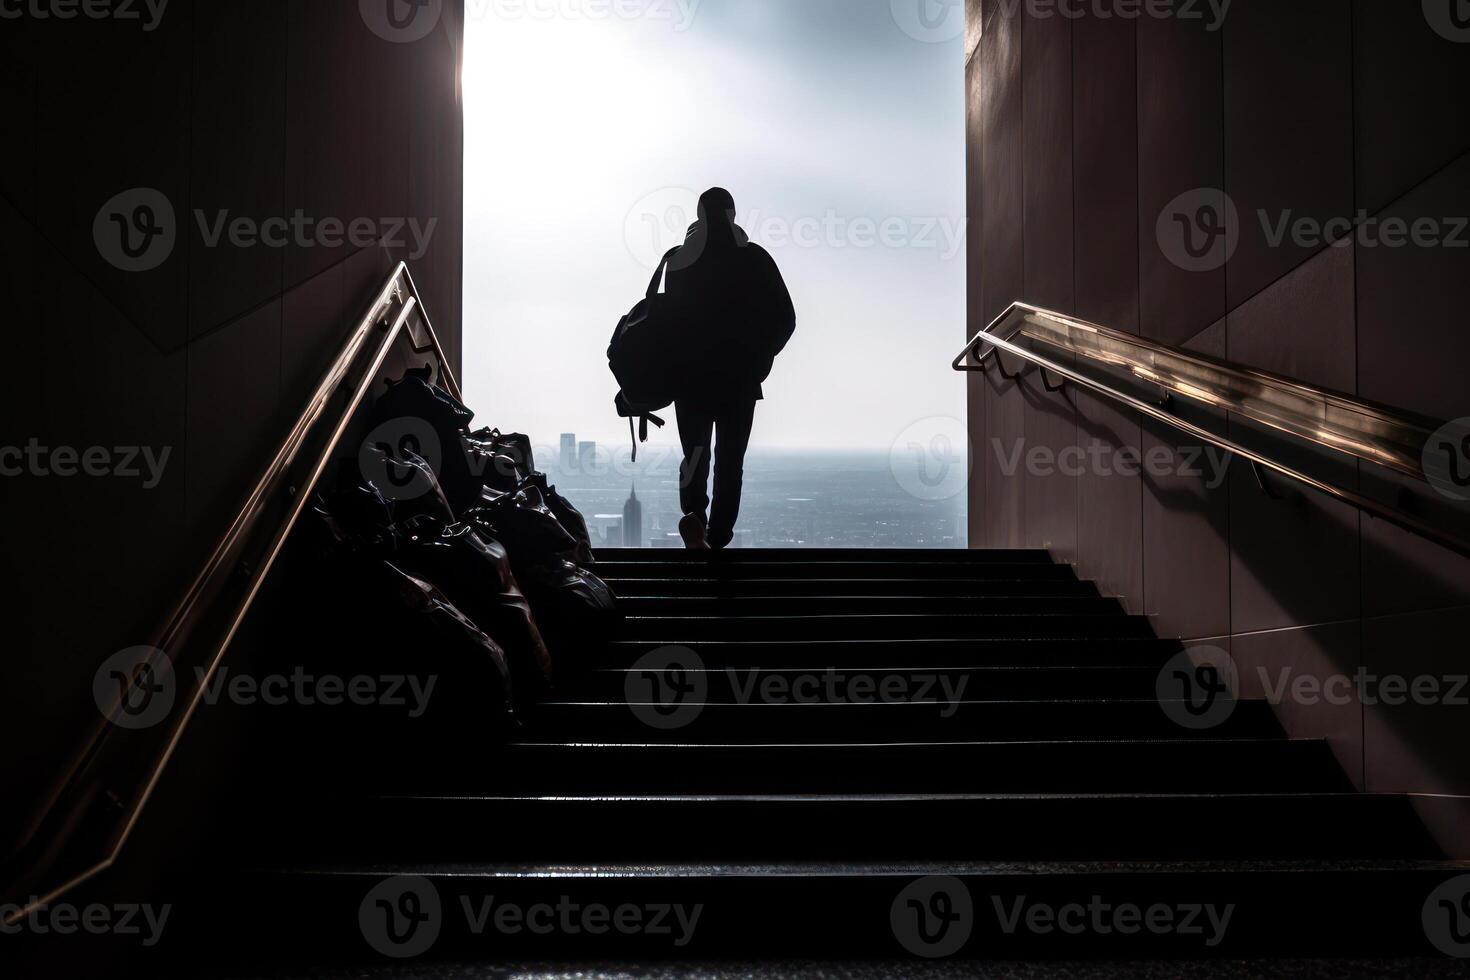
(568, 452)
(586, 458)
(633, 521)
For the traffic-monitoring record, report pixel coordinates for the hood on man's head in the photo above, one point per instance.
(717, 205)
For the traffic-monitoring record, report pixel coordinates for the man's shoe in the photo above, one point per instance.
(691, 529)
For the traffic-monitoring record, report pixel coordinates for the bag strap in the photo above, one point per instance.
(642, 433)
(658, 274)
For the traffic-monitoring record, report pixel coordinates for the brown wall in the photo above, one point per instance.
(1081, 132)
(261, 107)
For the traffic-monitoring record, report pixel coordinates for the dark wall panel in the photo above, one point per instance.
(975, 385)
(1303, 325)
(1002, 246)
(234, 391)
(1110, 501)
(1412, 746)
(1186, 523)
(1180, 172)
(1409, 86)
(1105, 175)
(1294, 560)
(239, 93)
(1312, 110)
(1412, 301)
(1047, 147)
(1050, 418)
(1288, 130)
(1270, 664)
(94, 140)
(256, 108)
(1003, 189)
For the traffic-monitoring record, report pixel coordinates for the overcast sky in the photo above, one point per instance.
(588, 135)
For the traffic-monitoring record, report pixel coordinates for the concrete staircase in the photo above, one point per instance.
(847, 754)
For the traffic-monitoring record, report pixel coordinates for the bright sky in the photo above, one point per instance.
(592, 125)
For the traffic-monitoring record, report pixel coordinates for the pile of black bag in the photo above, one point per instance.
(455, 532)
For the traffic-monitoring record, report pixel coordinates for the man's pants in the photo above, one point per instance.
(725, 430)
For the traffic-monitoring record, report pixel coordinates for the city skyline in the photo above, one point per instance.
(792, 499)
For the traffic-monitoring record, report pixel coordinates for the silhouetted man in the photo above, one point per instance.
(737, 304)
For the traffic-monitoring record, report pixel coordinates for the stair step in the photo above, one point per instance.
(912, 605)
(940, 721)
(977, 588)
(614, 571)
(867, 653)
(986, 683)
(731, 829)
(820, 556)
(682, 629)
(989, 910)
(1175, 765)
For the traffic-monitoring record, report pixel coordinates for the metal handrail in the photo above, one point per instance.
(99, 799)
(1328, 419)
